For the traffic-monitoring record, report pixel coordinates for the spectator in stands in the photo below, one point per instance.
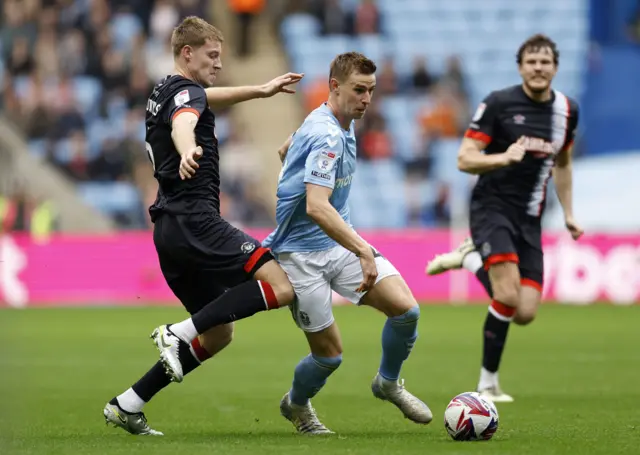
(421, 79)
(334, 19)
(442, 118)
(373, 141)
(35, 111)
(386, 78)
(77, 77)
(76, 166)
(21, 212)
(316, 93)
(454, 77)
(246, 12)
(242, 174)
(20, 62)
(367, 18)
(68, 118)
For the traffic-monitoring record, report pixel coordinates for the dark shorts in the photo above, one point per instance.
(201, 256)
(503, 235)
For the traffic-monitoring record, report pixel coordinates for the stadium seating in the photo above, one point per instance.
(484, 34)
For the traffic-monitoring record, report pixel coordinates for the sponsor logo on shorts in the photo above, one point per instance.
(321, 175)
(304, 318)
(247, 247)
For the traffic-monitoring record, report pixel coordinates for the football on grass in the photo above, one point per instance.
(469, 417)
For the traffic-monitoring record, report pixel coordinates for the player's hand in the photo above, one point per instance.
(515, 152)
(369, 271)
(573, 227)
(281, 84)
(188, 163)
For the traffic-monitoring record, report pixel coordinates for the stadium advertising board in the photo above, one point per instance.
(123, 269)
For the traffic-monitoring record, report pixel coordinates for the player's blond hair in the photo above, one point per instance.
(193, 31)
(345, 64)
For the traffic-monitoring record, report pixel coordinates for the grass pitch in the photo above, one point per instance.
(575, 374)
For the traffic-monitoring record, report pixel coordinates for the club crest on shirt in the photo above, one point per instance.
(247, 247)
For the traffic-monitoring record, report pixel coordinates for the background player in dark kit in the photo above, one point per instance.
(219, 273)
(518, 138)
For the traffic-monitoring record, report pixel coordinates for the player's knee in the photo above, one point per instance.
(410, 316)
(326, 343)
(507, 292)
(404, 306)
(524, 316)
(330, 363)
(391, 296)
(284, 293)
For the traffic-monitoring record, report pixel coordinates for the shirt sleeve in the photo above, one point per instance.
(483, 121)
(190, 98)
(325, 150)
(572, 127)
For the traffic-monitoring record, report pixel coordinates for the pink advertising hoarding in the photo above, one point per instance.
(123, 270)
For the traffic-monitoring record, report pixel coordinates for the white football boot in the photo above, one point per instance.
(304, 418)
(132, 423)
(495, 394)
(167, 343)
(451, 260)
(412, 407)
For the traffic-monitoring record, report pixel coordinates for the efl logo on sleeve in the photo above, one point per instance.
(326, 161)
(479, 112)
(182, 98)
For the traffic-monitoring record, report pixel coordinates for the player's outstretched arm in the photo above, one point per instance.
(220, 97)
(563, 179)
(472, 161)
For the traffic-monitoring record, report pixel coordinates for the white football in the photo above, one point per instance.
(469, 417)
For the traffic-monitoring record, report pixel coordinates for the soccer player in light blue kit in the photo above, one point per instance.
(318, 249)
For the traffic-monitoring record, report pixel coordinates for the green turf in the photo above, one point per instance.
(575, 374)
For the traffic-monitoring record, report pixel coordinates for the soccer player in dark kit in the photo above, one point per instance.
(518, 138)
(219, 273)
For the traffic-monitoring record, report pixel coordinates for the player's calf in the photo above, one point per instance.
(310, 376)
(215, 340)
(392, 297)
(237, 303)
(505, 282)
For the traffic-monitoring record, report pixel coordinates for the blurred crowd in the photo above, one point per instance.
(75, 77)
(443, 114)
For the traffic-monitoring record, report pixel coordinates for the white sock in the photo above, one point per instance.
(387, 383)
(130, 401)
(487, 379)
(472, 262)
(185, 330)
